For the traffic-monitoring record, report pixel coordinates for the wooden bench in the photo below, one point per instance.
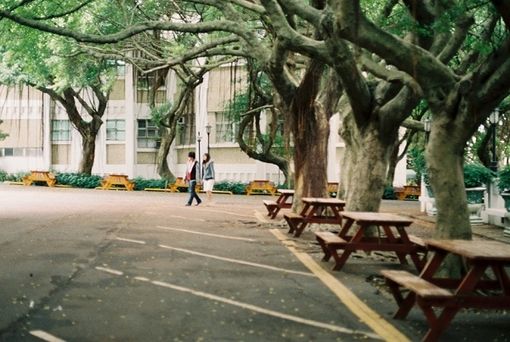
(329, 243)
(117, 181)
(40, 176)
(261, 186)
(293, 220)
(426, 295)
(407, 190)
(271, 206)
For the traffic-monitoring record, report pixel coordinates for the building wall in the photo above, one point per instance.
(27, 113)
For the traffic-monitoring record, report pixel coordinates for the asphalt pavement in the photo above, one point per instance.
(93, 265)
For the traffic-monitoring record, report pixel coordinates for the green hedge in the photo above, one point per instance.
(12, 177)
(79, 180)
(141, 183)
(237, 188)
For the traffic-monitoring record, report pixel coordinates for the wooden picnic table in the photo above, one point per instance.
(40, 176)
(392, 236)
(477, 288)
(114, 181)
(284, 201)
(315, 210)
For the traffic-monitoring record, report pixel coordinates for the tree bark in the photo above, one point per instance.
(366, 166)
(167, 137)
(447, 179)
(310, 131)
(88, 153)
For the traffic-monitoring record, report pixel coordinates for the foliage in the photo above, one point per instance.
(79, 180)
(141, 183)
(476, 175)
(416, 160)
(389, 193)
(11, 177)
(237, 188)
(504, 179)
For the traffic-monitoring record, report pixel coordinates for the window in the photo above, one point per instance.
(148, 136)
(115, 130)
(226, 129)
(60, 130)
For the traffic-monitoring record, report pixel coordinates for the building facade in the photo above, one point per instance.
(41, 137)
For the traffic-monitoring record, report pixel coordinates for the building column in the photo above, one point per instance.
(130, 117)
(46, 108)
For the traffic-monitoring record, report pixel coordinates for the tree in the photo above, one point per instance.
(58, 68)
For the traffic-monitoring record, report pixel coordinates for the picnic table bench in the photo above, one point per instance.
(117, 181)
(284, 201)
(315, 210)
(475, 289)
(40, 176)
(261, 186)
(392, 236)
(407, 190)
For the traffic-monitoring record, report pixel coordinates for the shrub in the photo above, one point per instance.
(236, 187)
(141, 183)
(389, 193)
(79, 180)
(504, 179)
(12, 177)
(476, 175)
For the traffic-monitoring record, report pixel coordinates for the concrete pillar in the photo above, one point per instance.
(130, 118)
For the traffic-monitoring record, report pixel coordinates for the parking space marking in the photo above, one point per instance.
(186, 218)
(248, 263)
(43, 335)
(371, 318)
(226, 212)
(207, 234)
(258, 309)
(109, 270)
(140, 242)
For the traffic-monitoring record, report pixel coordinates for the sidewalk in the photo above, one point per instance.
(424, 224)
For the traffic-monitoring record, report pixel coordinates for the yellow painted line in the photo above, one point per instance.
(371, 318)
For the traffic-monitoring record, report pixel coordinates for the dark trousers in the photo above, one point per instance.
(193, 193)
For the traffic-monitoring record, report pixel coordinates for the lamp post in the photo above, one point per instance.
(208, 131)
(199, 139)
(493, 119)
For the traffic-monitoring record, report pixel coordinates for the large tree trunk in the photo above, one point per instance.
(310, 130)
(365, 167)
(88, 153)
(445, 160)
(167, 137)
(311, 156)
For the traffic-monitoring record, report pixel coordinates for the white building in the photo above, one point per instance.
(42, 138)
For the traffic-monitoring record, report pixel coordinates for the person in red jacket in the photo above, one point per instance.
(191, 178)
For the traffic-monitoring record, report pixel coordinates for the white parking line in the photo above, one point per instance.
(109, 270)
(187, 218)
(258, 309)
(238, 261)
(140, 242)
(45, 336)
(227, 212)
(207, 234)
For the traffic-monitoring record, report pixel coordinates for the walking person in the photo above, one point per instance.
(208, 175)
(191, 177)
